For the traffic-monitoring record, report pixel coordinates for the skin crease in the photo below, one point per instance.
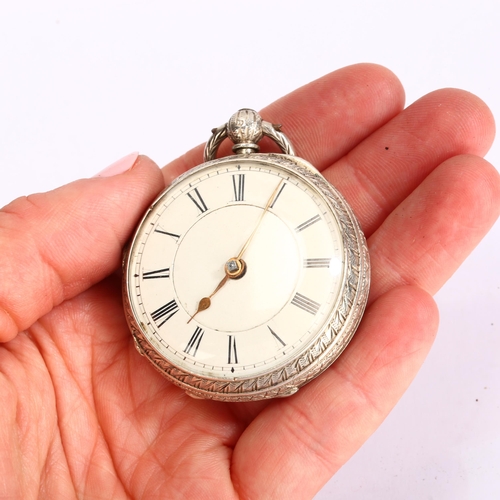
(84, 416)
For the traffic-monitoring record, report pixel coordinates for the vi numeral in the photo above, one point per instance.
(232, 353)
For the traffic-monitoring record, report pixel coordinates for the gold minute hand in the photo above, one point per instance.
(269, 202)
(206, 302)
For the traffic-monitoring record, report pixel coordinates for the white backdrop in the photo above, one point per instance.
(84, 83)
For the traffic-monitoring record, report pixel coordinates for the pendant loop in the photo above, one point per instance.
(246, 128)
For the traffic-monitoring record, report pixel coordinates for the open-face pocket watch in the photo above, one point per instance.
(249, 274)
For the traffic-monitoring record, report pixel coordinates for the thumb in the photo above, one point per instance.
(57, 244)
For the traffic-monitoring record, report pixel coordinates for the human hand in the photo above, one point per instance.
(83, 415)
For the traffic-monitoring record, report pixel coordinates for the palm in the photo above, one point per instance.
(86, 415)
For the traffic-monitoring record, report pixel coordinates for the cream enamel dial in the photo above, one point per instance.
(289, 309)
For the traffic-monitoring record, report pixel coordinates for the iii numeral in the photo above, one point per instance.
(239, 187)
(160, 273)
(196, 198)
(194, 342)
(164, 313)
(315, 263)
(232, 354)
(306, 304)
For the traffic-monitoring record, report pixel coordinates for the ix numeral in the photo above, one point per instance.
(306, 304)
(239, 187)
(165, 313)
(196, 198)
(194, 342)
(160, 273)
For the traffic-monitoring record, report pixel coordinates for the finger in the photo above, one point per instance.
(299, 443)
(384, 169)
(326, 118)
(57, 244)
(426, 238)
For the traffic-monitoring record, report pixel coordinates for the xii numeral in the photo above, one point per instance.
(196, 198)
(164, 313)
(194, 342)
(239, 187)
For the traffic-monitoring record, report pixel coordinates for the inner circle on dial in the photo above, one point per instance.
(272, 262)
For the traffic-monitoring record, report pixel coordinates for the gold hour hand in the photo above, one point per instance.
(206, 302)
(234, 269)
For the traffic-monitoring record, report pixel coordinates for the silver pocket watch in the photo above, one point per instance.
(249, 274)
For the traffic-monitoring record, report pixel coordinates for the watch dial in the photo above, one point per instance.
(290, 246)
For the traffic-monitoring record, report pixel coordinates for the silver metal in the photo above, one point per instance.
(338, 329)
(246, 128)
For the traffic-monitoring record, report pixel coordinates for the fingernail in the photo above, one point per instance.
(120, 166)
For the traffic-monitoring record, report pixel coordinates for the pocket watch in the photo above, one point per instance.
(249, 274)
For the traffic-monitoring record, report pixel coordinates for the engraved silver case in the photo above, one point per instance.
(331, 340)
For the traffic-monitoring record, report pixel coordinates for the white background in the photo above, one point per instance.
(84, 83)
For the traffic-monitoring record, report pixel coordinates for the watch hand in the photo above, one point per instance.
(235, 267)
(247, 243)
(205, 302)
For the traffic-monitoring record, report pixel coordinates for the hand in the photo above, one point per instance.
(84, 415)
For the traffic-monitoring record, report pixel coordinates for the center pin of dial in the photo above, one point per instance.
(235, 268)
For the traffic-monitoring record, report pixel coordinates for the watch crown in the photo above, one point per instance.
(245, 130)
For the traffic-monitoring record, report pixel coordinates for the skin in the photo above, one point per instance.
(82, 415)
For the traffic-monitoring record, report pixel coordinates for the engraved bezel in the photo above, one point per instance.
(332, 338)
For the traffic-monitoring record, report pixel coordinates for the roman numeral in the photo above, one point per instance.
(196, 198)
(275, 335)
(160, 273)
(232, 355)
(164, 313)
(239, 187)
(316, 263)
(277, 196)
(307, 223)
(194, 342)
(175, 236)
(306, 304)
